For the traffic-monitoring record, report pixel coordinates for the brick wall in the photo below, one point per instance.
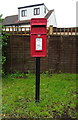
(61, 54)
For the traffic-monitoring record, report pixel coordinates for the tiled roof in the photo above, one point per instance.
(10, 20)
(13, 20)
(23, 22)
(49, 13)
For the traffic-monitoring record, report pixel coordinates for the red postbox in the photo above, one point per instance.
(38, 39)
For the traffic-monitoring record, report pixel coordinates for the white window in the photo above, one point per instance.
(24, 13)
(36, 11)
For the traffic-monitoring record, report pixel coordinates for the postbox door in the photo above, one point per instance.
(38, 45)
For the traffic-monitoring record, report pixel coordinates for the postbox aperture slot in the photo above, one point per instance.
(37, 29)
(38, 26)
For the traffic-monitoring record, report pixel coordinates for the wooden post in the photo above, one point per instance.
(25, 30)
(64, 31)
(68, 31)
(21, 29)
(57, 30)
(75, 31)
(17, 31)
(60, 31)
(29, 30)
(51, 30)
(9, 29)
(13, 30)
(71, 31)
(5, 28)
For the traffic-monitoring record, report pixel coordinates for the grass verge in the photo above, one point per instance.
(57, 96)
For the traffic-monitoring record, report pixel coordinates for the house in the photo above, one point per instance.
(27, 12)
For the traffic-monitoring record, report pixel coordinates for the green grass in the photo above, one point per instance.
(57, 96)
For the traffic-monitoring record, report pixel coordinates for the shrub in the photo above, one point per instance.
(3, 44)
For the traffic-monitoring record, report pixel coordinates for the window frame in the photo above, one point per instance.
(24, 13)
(36, 11)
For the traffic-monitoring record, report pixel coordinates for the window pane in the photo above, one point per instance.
(24, 13)
(36, 11)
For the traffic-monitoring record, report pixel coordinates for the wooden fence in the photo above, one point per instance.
(62, 54)
(17, 30)
(50, 31)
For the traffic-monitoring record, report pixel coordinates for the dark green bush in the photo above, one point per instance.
(3, 45)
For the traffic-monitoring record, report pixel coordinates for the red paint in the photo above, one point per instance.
(38, 38)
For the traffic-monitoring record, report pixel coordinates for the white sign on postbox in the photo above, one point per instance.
(38, 43)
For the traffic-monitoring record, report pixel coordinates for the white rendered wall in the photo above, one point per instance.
(30, 13)
(52, 20)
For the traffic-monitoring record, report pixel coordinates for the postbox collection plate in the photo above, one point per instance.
(38, 43)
